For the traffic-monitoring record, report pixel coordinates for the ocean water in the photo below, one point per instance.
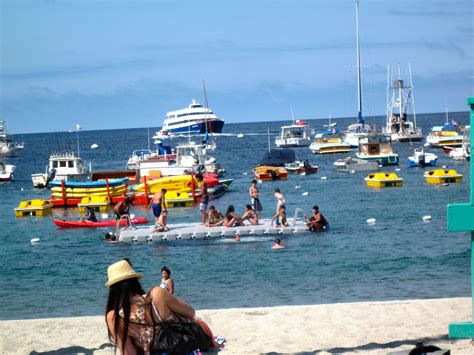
(400, 257)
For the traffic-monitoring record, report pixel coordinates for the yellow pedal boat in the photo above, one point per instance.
(383, 180)
(442, 176)
(33, 208)
(97, 203)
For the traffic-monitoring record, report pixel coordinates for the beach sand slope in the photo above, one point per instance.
(365, 327)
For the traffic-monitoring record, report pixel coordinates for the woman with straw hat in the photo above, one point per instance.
(137, 321)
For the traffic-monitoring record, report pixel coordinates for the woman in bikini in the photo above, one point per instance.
(231, 218)
(250, 215)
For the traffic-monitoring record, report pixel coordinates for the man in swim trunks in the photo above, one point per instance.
(215, 217)
(123, 208)
(158, 204)
(204, 197)
(254, 193)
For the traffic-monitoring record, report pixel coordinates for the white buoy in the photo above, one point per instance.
(94, 146)
(371, 221)
(245, 173)
(105, 216)
(427, 218)
(444, 166)
(426, 144)
(445, 184)
(297, 187)
(324, 177)
(34, 240)
(380, 165)
(353, 171)
(306, 193)
(240, 135)
(260, 181)
(132, 216)
(22, 189)
(397, 169)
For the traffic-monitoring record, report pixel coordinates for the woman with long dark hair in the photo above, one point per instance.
(134, 319)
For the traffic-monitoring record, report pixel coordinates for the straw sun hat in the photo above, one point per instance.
(120, 271)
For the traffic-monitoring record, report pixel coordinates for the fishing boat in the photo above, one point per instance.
(450, 134)
(354, 165)
(359, 129)
(6, 170)
(384, 180)
(377, 147)
(330, 142)
(62, 223)
(8, 148)
(442, 176)
(33, 208)
(301, 167)
(400, 123)
(297, 134)
(137, 157)
(420, 158)
(62, 166)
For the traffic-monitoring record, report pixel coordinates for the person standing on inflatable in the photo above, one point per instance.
(158, 204)
(254, 193)
(204, 197)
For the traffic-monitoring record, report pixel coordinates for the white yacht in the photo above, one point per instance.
(8, 148)
(194, 119)
(399, 125)
(6, 170)
(62, 166)
(330, 142)
(297, 134)
(186, 158)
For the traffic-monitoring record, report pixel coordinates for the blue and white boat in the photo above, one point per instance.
(194, 119)
(420, 158)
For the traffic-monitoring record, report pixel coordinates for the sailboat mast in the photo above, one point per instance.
(268, 134)
(412, 95)
(400, 100)
(388, 98)
(360, 119)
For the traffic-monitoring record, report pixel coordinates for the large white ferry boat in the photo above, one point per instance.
(195, 119)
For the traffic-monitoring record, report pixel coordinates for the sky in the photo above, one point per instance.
(124, 64)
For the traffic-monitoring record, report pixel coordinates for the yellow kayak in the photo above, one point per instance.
(182, 183)
(89, 189)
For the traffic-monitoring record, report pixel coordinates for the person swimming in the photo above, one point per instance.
(277, 244)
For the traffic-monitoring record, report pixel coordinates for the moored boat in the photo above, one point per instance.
(267, 173)
(377, 147)
(6, 170)
(8, 148)
(442, 176)
(195, 119)
(301, 167)
(33, 208)
(297, 134)
(384, 180)
(420, 158)
(401, 124)
(449, 134)
(331, 142)
(354, 165)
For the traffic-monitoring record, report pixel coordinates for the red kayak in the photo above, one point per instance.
(61, 223)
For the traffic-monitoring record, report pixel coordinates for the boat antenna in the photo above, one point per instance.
(292, 115)
(78, 128)
(412, 95)
(360, 119)
(148, 137)
(446, 108)
(268, 135)
(388, 96)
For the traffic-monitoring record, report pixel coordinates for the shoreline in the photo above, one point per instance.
(362, 327)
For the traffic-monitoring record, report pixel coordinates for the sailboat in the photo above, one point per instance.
(398, 125)
(359, 129)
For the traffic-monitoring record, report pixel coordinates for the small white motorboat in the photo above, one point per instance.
(420, 158)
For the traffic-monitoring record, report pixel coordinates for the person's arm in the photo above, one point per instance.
(170, 284)
(163, 204)
(174, 304)
(129, 347)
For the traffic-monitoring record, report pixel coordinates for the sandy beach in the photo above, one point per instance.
(365, 327)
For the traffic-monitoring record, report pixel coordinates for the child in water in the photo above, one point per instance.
(278, 245)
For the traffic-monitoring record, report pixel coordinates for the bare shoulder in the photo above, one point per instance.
(158, 293)
(110, 318)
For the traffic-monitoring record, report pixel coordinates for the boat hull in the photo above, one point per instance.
(440, 176)
(382, 159)
(269, 173)
(214, 126)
